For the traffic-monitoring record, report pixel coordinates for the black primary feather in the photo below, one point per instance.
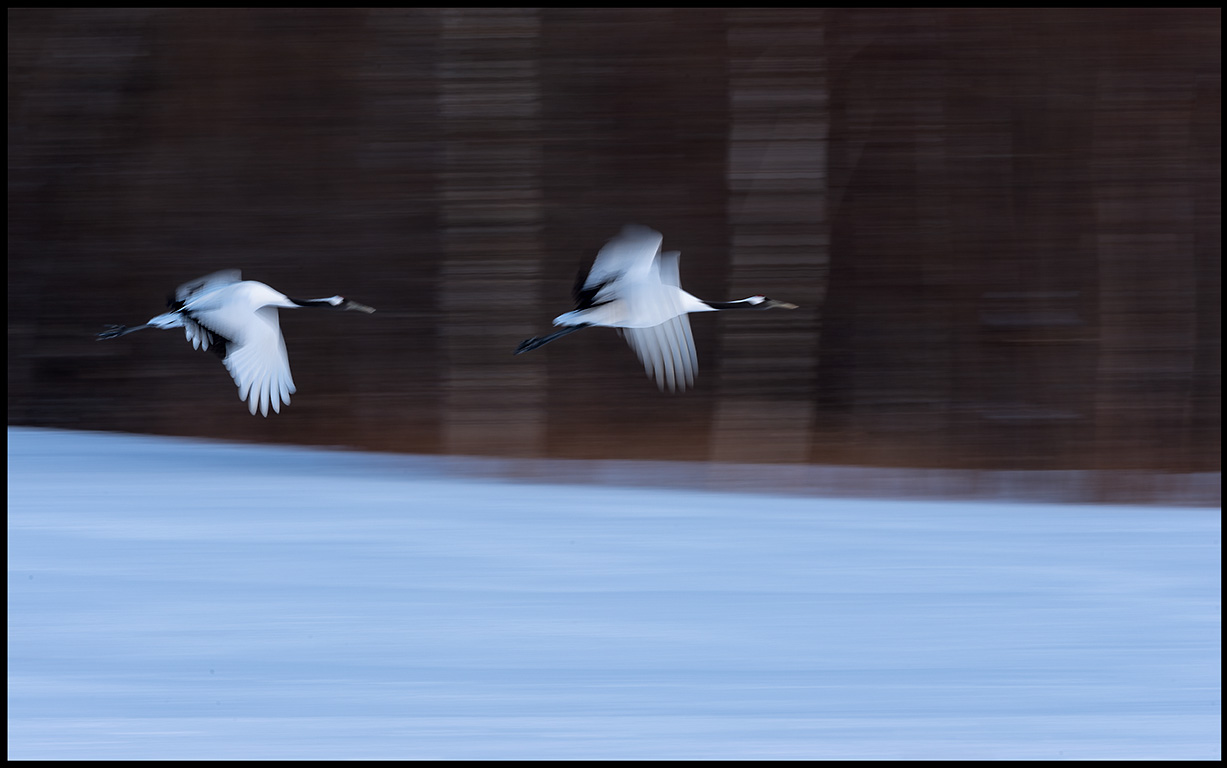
(585, 298)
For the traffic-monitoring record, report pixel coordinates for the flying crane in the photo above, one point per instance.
(634, 287)
(237, 320)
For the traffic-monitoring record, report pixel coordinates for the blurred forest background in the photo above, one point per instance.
(1003, 226)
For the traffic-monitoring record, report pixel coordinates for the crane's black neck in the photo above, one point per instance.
(739, 304)
(325, 303)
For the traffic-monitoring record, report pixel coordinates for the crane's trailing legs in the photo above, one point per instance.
(115, 331)
(538, 341)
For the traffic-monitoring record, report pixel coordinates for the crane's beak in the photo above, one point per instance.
(356, 306)
(781, 304)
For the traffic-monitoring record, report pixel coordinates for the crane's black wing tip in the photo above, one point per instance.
(577, 291)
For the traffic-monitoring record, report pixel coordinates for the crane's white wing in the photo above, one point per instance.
(666, 351)
(256, 356)
(667, 268)
(630, 254)
(260, 364)
(200, 337)
(209, 282)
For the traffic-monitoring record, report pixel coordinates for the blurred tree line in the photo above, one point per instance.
(1003, 226)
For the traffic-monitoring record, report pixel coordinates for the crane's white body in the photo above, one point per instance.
(223, 308)
(638, 291)
(639, 286)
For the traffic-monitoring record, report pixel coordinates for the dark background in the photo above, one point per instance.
(1003, 227)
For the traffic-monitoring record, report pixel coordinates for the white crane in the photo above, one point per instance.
(634, 287)
(237, 319)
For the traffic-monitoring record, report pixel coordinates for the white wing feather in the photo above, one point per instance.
(209, 282)
(667, 350)
(260, 364)
(640, 295)
(256, 357)
(199, 336)
(630, 254)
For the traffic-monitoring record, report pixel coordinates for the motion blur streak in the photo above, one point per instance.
(1003, 226)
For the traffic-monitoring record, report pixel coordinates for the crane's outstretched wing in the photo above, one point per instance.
(667, 350)
(200, 337)
(670, 275)
(209, 282)
(255, 353)
(668, 268)
(628, 255)
(260, 365)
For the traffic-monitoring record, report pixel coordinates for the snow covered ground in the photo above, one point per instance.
(177, 599)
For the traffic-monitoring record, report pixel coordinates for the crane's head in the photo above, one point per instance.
(347, 304)
(336, 302)
(762, 302)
